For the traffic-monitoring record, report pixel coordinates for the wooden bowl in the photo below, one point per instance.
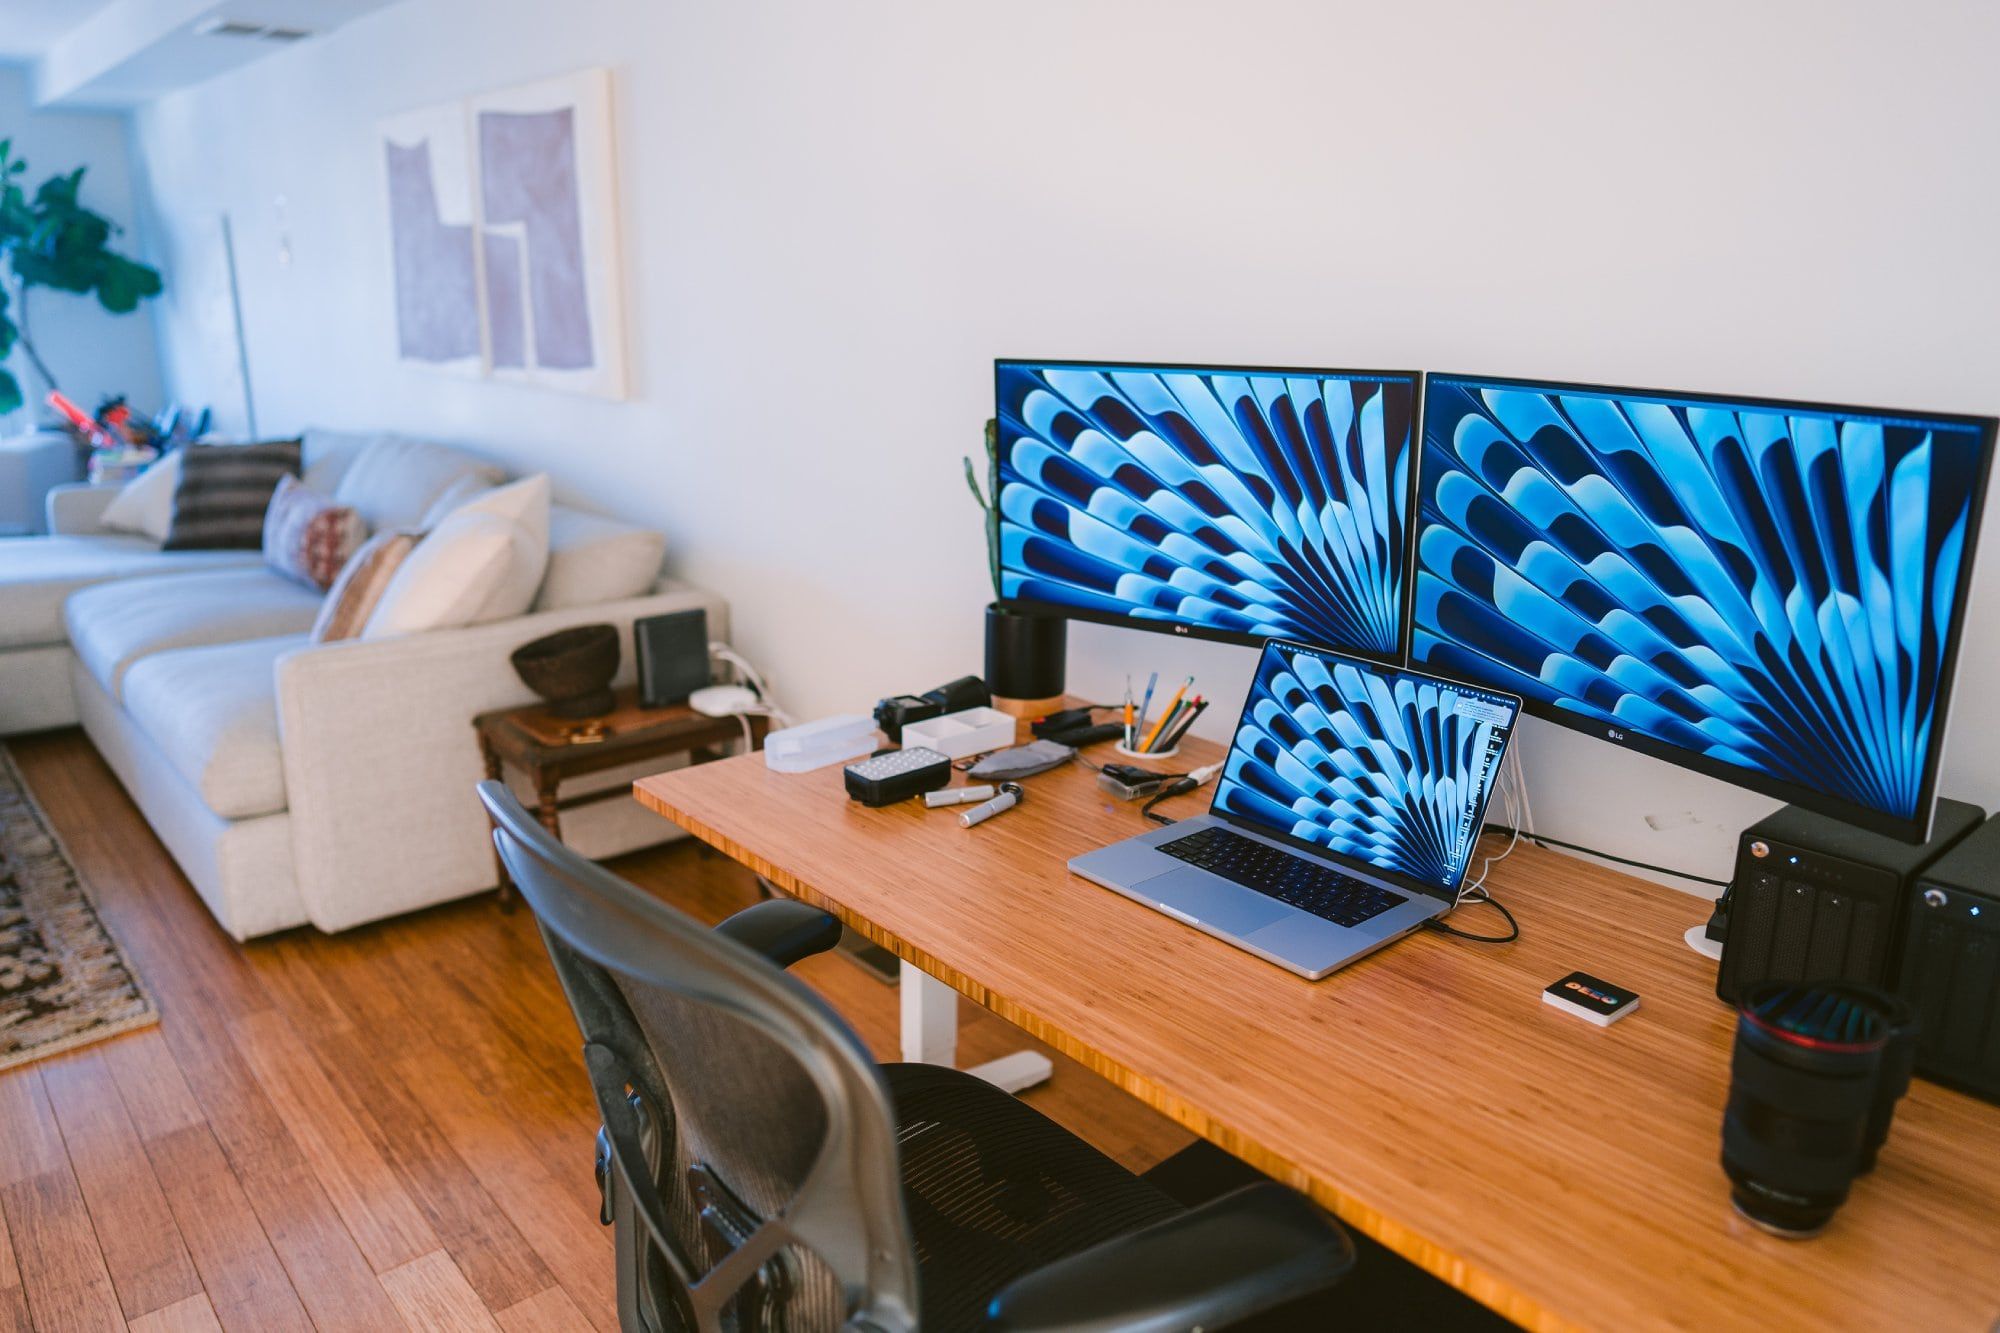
(571, 669)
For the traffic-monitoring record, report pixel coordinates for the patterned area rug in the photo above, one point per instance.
(64, 982)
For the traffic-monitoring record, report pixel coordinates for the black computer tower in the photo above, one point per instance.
(1951, 964)
(1814, 899)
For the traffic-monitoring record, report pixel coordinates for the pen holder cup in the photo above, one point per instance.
(1147, 754)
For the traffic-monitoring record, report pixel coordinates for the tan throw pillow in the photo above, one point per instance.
(360, 585)
(308, 537)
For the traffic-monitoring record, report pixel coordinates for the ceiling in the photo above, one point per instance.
(121, 53)
(29, 27)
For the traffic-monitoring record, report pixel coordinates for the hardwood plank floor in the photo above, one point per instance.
(388, 1127)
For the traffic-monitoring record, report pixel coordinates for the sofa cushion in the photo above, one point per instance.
(360, 585)
(392, 482)
(327, 454)
(113, 625)
(596, 559)
(37, 574)
(213, 712)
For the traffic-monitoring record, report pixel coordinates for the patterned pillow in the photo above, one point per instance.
(362, 579)
(307, 536)
(223, 492)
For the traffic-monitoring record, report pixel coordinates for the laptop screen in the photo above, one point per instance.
(1388, 768)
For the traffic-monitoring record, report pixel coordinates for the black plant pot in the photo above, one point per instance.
(1026, 655)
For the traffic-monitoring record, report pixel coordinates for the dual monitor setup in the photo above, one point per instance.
(1768, 592)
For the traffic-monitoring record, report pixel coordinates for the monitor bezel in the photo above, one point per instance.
(1182, 629)
(1395, 878)
(1916, 828)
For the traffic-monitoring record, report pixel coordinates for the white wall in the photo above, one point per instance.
(837, 215)
(91, 352)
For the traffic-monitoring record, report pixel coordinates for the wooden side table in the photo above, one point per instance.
(551, 750)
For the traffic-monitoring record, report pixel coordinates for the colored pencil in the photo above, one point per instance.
(1159, 726)
(1186, 724)
(1128, 712)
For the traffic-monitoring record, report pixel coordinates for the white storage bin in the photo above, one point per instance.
(967, 732)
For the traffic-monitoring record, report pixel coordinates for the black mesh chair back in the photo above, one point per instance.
(748, 1135)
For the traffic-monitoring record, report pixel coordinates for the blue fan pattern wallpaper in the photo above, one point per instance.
(1772, 591)
(1388, 766)
(1259, 504)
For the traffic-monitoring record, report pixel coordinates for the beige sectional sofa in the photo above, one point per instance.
(295, 783)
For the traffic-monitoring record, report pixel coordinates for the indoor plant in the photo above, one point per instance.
(1025, 653)
(49, 239)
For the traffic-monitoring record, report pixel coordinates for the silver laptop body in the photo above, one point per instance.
(1311, 714)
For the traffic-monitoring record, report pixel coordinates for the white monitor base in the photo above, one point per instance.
(1698, 940)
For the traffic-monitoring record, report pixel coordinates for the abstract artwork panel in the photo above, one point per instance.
(1770, 587)
(1244, 502)
(503, 222)
(431, 229)
(1393, 768)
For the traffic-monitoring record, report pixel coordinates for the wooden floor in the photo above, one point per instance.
(381, 1128)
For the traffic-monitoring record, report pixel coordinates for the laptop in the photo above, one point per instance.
(1344, 817)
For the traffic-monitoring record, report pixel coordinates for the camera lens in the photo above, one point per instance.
(1803, 1087)
(1899, 1060)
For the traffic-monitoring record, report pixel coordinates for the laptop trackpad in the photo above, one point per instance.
(1213, 901)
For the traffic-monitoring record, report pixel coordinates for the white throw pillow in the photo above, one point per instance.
(146, 503)
(483, 562)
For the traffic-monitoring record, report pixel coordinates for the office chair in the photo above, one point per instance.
(762, 1172)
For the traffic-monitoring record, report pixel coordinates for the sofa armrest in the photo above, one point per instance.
(381, 759)
(76, 508)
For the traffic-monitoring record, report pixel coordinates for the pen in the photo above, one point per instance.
(1128, 712)
(1144, 705)
(1154, 734)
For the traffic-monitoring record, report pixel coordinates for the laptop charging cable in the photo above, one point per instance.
(1180, 786)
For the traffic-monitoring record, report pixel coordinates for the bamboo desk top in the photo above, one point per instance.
(1564, 1174)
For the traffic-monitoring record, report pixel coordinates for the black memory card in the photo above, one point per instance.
(1591, 998)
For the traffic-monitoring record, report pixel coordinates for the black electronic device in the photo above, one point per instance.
(1815, 899)
(1951, 964)
(1078, 737)
(884, 779)
(898, 711)
(672, 655)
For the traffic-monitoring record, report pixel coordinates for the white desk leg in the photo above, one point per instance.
(930, 1035)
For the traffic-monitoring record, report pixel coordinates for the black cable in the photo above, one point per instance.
(1177, 787)
(1546, 841)
(1513, 926)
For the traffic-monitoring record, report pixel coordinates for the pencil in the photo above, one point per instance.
(1128, 712)
(1159, 726)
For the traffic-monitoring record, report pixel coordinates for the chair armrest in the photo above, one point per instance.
(782, 930)
(1246, 1252)
(76, 508)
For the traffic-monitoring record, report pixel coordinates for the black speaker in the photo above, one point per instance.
(1814, 899)
(1951, 964)
(672, 652)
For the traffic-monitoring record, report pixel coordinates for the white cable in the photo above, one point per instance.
(749, 675)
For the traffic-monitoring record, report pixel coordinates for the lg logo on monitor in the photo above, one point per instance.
(1612, 733)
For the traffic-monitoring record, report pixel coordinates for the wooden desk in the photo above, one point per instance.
(1565, 1175)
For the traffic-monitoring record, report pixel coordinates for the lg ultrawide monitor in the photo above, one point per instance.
(1219, 502)
(1771, 593)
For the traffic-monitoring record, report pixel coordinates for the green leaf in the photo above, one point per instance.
(10, 393)
(972, 484)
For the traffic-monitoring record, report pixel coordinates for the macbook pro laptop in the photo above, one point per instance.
(1344, 816)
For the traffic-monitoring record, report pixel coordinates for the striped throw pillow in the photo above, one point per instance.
(223, 493)
(307, 537)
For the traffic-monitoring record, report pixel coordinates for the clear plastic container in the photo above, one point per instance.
(813, 745)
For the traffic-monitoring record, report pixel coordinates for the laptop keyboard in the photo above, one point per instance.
(1277, 873)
